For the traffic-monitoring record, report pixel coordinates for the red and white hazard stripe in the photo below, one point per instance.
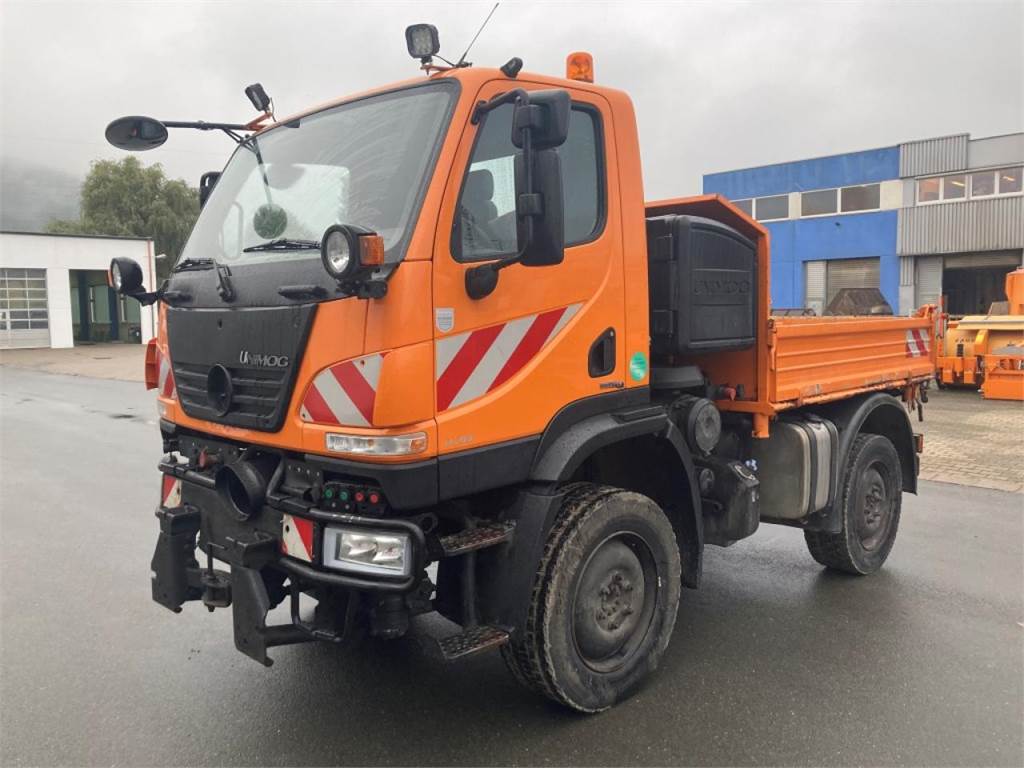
(297, 537)
(917, 343)
(165, 376)
(344, 393)
(170, 492)
(469, 365)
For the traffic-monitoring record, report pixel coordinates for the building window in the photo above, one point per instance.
(954, 187)
(1010, 180)
(983, 184)
(775, 207)
(747, 206)
(929, 190)
(863, 197)
(819, 203)
(959, 186)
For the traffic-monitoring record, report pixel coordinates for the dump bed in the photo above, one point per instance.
(816, 359)
(798, 361)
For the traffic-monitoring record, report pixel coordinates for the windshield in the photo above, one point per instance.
(364, 163)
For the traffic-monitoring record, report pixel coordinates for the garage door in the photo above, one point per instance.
(824, 279)
(24, 319)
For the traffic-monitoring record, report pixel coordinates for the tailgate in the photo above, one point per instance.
(817, 359)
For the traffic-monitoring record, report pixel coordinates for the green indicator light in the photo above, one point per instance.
(343, 495)
(328, 493)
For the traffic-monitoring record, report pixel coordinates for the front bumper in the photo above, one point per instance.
(199, 516)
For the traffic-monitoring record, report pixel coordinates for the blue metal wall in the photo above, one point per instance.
(849, 236)
(846, 236)
(805, 175)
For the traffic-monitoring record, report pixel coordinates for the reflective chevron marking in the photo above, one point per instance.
(469, 365)
(297, 537)
(917, 343)
(165, 376)
(344, 393)
(170, 492)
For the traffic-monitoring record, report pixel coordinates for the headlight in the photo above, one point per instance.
(336, 251)
(115, 277)
(366, 445)
(367, 551)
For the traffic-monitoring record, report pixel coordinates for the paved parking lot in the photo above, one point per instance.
(774, 660)
(972, 441)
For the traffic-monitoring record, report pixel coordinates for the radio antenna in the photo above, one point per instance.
(462, 59)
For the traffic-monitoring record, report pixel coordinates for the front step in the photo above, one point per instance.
(472, 641)
(473, 539)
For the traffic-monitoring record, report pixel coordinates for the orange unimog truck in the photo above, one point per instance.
(428, 349)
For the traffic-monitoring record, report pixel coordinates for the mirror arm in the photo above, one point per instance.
(200, 125)
(483, 107)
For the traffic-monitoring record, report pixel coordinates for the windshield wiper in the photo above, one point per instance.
(284, 244)
(187, 264)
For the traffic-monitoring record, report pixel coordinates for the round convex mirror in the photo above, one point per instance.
(136, 133)
(270, 220)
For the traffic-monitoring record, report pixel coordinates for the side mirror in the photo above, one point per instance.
(206, 184)
(543, 230)
(125, 276)
(545, 116)
(136, 133)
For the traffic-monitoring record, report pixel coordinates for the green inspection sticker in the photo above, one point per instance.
(638, 366)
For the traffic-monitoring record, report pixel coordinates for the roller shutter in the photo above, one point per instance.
(928, 280)
(24, 311)
(850, 273)
(814, 286)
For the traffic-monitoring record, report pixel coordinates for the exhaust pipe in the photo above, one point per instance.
(243, 484)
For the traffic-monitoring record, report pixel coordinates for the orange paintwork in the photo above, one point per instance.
(972, 344)
(798, 360)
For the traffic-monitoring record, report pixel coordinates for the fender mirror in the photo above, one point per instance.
(136, 133)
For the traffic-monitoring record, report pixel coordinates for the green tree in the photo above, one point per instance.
(129, 199)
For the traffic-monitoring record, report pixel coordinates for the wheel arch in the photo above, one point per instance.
(881, 414)
(645, 454)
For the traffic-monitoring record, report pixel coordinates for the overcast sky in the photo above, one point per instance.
(716, 85)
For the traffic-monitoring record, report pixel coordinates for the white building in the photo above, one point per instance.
(53, 290)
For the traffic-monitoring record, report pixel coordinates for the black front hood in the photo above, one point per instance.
(238, 366)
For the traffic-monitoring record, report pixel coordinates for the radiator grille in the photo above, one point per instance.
(256, 395)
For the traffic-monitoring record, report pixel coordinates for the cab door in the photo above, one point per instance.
(546, 336)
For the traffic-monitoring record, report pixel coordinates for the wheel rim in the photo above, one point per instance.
(614, 601)
(875, 508)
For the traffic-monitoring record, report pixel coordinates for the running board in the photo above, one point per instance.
(472, 539)
(471, 642)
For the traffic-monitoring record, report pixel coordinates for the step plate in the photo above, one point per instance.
(476, 538)
(472, 641)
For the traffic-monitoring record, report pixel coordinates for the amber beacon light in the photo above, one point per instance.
(580, 66)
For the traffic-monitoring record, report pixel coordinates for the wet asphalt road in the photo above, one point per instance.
(774, 661)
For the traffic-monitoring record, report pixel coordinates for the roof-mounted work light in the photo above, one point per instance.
(259, 98)
(422, 41)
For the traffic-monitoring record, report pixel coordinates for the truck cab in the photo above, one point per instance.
(428, 349)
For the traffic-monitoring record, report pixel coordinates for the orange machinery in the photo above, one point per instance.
(988, 350)
(505, 364)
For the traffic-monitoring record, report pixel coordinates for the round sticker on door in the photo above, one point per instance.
(638, 366)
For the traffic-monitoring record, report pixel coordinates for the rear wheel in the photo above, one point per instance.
(604, 600)
(870, 496)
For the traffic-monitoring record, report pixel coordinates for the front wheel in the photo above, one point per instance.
(870, 496)
(604, 600)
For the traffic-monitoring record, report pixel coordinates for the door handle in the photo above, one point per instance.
(601, 360)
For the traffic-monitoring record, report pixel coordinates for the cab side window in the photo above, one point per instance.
(485, 223)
